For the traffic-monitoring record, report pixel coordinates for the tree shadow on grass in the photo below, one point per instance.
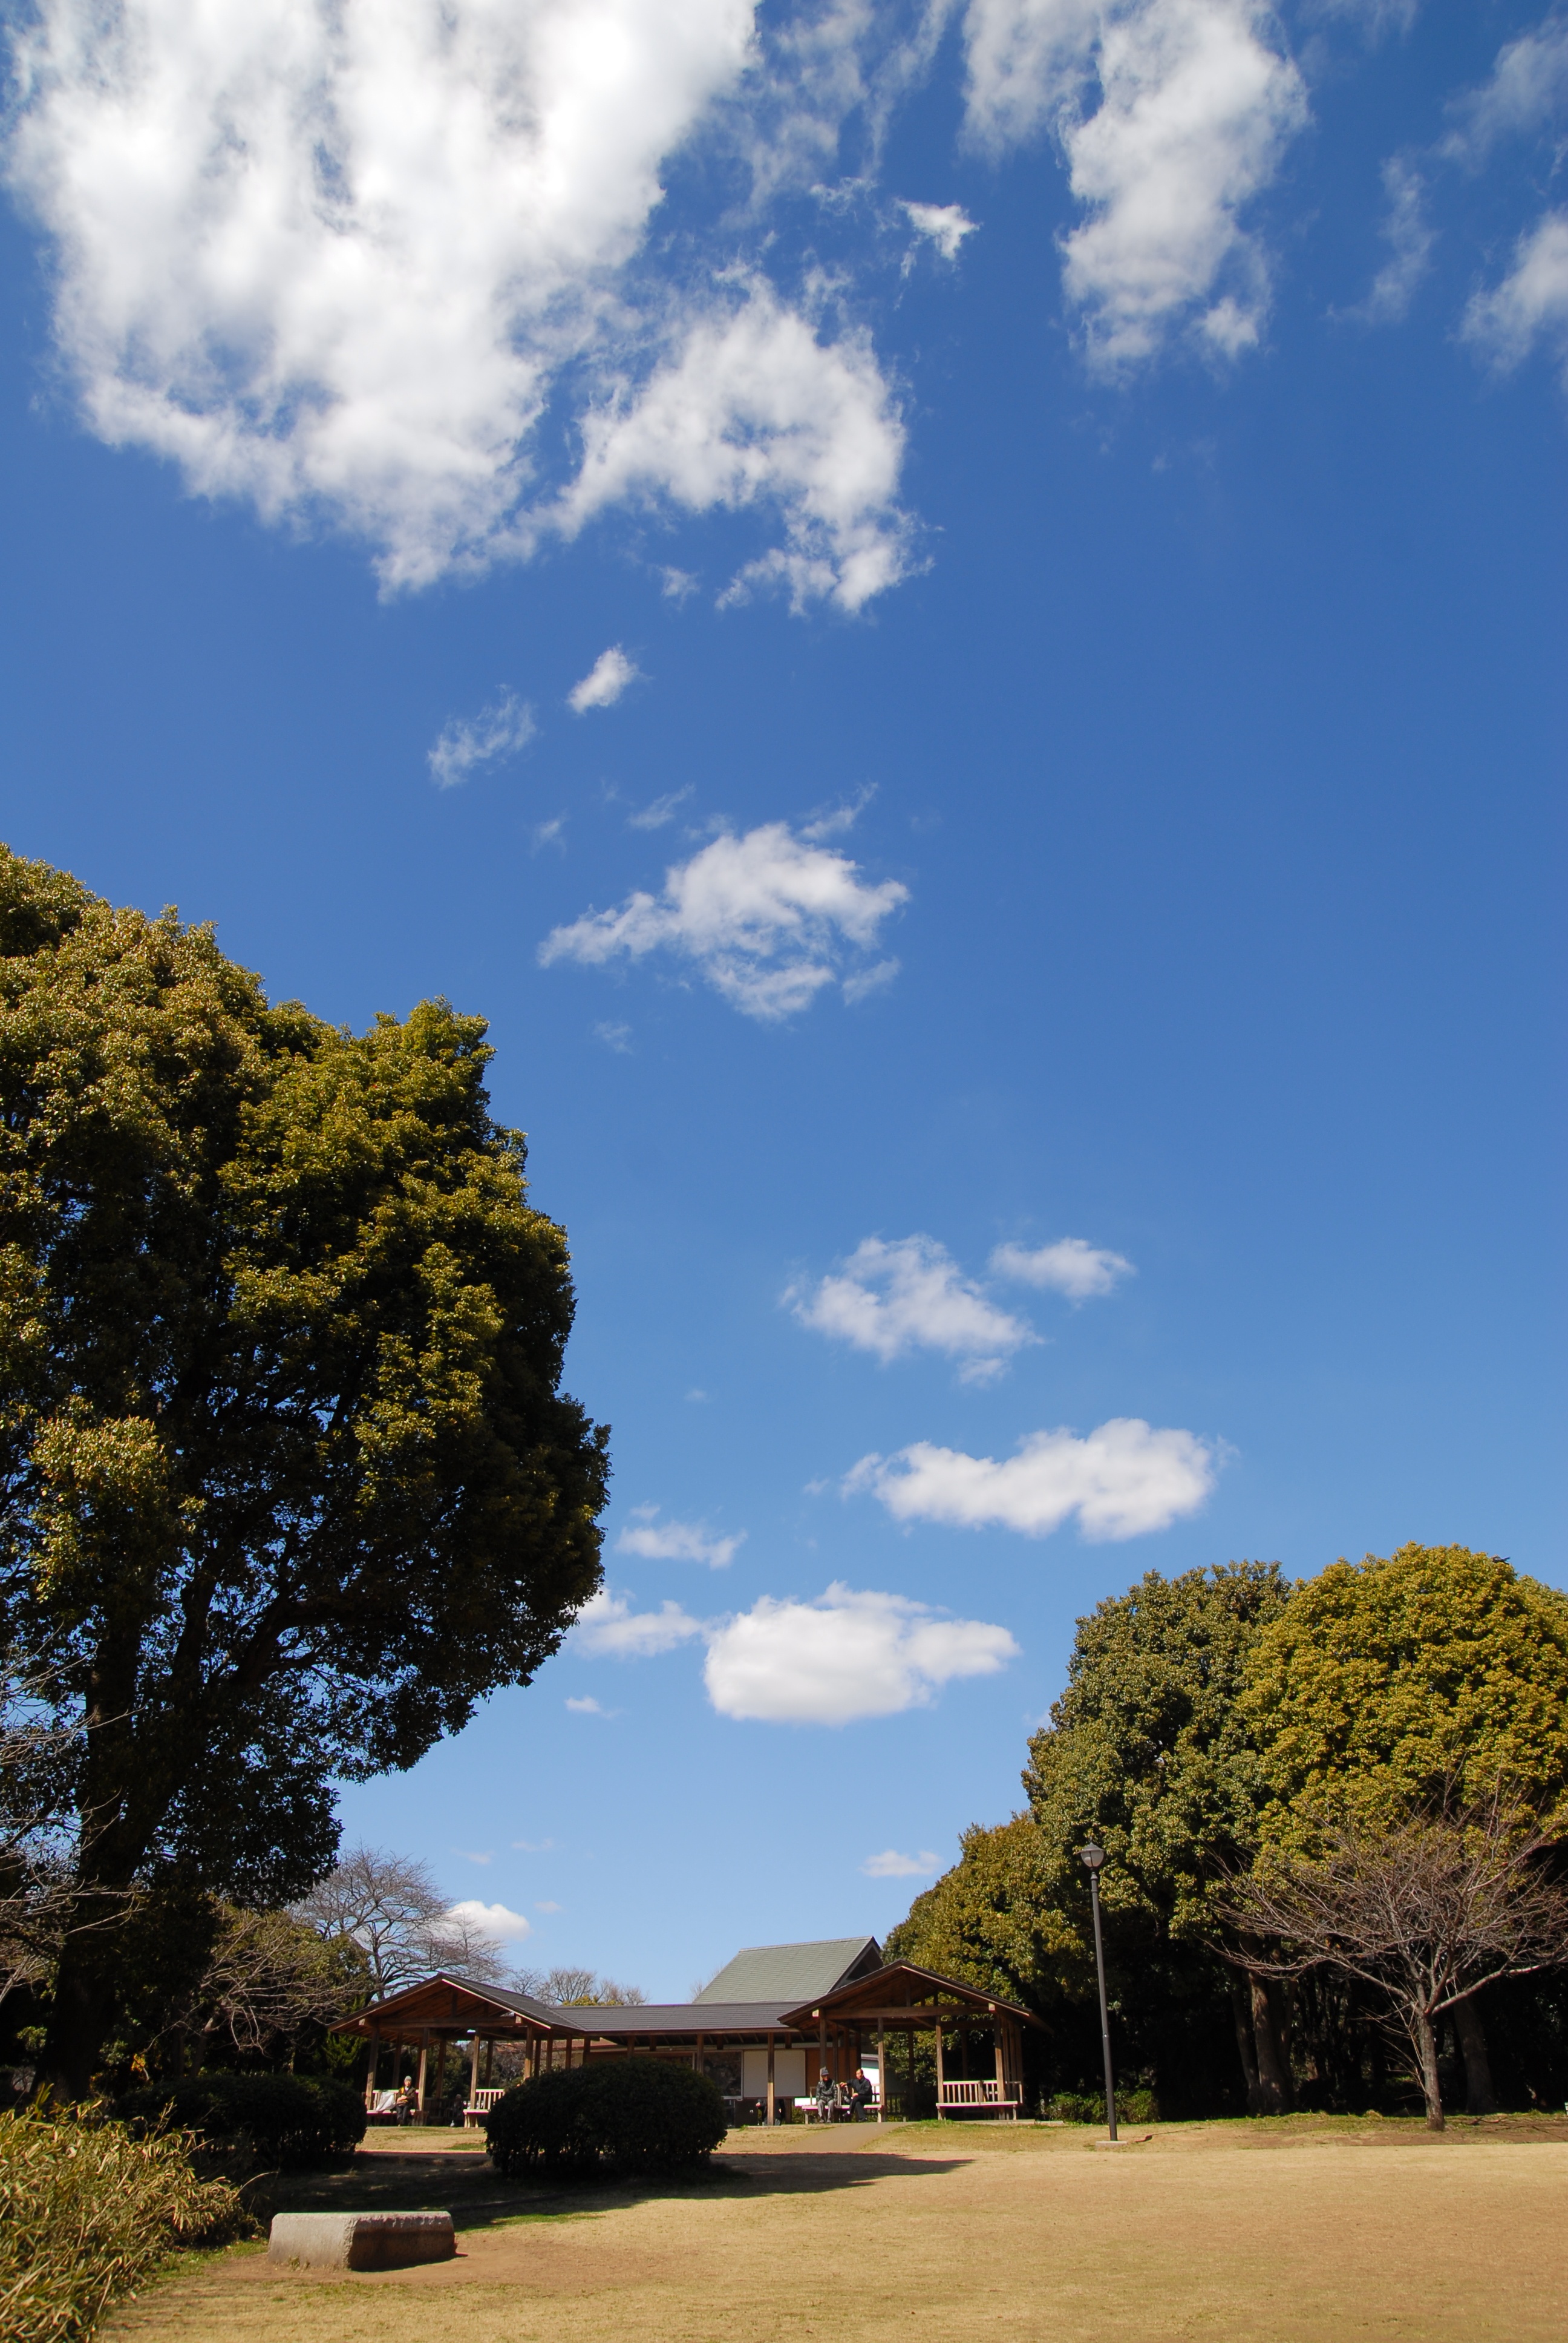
(478, 2200)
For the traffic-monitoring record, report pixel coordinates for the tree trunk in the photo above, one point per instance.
(1426, 2057)
(1479, 2098)
(1273, 2074)
(1241, 2014)
(79, 2020)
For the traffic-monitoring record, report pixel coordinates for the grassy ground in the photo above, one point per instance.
(1305, 2230)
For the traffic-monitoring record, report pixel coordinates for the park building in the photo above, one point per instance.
(763, 2029)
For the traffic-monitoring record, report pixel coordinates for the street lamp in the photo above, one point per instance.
(1093, 1856)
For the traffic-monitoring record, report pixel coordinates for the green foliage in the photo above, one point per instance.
(1435, 1677)
(88, 2212)
(289, 2121)
(1088, 2107)
(289, 1482)
(611, 2116)
(1145, 1753)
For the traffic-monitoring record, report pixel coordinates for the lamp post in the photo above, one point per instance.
(1093, 1856)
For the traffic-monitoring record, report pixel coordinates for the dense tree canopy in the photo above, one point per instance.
(287, 1480)
(1209, 1716)
(1436, 1676)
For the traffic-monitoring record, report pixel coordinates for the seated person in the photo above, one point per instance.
(862, 2091)
(827, 2096)
(406, 2105)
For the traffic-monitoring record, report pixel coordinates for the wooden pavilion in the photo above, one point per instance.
(761, 2050)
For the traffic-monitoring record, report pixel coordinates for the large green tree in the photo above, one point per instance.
(288, 1480)
(1145, 1752)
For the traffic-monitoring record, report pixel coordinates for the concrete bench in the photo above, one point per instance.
(360, 2241)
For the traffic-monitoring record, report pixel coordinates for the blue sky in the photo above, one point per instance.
(1029, 968)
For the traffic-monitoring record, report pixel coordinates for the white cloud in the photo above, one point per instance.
(533, 1845)
(909, 1294)
(490, 1920)
(469, 1858)
(345, 262)
(1410, 239)
(754, 406)
(662, 810)
(843, 1656)
(891, 1865)
(615, 1036)
(608, 1628)
(585, 1706)
(1124, 1478)
(1527, 87)
(1195, 109)
(678, 1542)
(1072, 1266)
(1531, 304)
(470, 740)
(768, 920)
(944, 225)
(547, 1907)
(604, 682)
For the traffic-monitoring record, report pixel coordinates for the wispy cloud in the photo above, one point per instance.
(608, 1629)
(768, 920)
(1410, 237)
(1121, 1481)
(468, 1857)
(891, 1865)
(500, 731)
(1524, 93)
(680, 1542)
(661, 811)
(943, 224)
(615, 1036)
(585, 1706)
(1531, 304)
(908, 1294)
(1072, 1266)
(605, 682)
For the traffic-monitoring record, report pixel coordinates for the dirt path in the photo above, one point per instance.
(1321, 2240)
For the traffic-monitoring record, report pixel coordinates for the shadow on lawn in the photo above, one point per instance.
(477, 2197)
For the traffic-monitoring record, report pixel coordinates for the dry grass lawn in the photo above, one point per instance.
(1304, 2232)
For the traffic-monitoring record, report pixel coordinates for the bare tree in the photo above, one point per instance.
(568, 1988)
(1425, 1912)
(38, 1901)
(391, 1910)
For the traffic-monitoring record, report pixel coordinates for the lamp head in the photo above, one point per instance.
(1091, 1857)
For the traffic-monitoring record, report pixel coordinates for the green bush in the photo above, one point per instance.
(282, 2120)
(88, 2212)
(613, 2115)
(1088, 2107)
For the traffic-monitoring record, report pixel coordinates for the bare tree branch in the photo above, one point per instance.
(1425, 1912)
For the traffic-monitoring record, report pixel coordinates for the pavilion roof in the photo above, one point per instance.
(791, 1973)
(896, 1987)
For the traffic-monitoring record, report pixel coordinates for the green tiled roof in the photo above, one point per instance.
(792, 1973)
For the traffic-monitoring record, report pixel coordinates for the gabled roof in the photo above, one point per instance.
(791, 1973)
(900, 1985)
(444, 2001)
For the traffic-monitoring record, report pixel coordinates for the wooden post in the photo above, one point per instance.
(697, 2056)
(881, 2074)
(939, 2070)
(441, 2075)
(772, 2104)
(374, 2063)
(489, 2058)
(424, 2058)
(473, 2073)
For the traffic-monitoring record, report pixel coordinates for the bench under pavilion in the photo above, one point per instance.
(762, 2028)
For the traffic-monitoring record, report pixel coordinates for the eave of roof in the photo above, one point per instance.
(866, 1992)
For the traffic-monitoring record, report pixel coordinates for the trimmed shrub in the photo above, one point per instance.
(1088, 2107)
(612, 2115)
(282, 2120)
(88, 2212)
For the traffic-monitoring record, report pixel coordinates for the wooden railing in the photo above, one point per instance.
(480, 2104)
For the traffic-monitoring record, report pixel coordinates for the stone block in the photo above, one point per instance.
(360, 2241)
